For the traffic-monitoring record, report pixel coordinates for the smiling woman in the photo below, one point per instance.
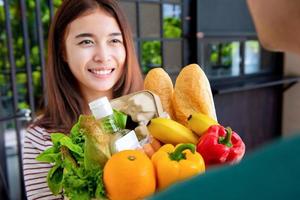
(90, 54)
(96, 58)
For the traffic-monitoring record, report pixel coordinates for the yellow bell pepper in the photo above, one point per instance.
(174, 164)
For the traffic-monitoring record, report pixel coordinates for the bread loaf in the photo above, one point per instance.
(192, 93)
(159, 82)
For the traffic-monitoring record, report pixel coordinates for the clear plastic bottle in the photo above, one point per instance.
(121, 139)
(103, 112)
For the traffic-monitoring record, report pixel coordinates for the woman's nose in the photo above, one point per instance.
(101, 53)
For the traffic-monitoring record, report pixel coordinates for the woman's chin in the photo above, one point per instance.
(103, 89)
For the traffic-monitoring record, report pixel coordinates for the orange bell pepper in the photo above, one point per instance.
(174, 164)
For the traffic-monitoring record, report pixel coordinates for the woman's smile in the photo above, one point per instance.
(101, 72)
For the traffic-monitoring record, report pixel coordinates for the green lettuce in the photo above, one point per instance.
(69, 172)
(78, 159)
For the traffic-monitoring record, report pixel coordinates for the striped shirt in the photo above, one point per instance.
(35, 173)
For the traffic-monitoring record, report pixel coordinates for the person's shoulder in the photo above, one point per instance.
(38, 131)
(38, 137)
(35, 128)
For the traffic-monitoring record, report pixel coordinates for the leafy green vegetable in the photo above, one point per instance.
(77, 133)
(78, 160)
(55, 179)
(55, 137)
(89, 184)
(66, 141)
(49, 155)
(120, 118)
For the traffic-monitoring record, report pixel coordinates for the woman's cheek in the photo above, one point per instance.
(79, 59)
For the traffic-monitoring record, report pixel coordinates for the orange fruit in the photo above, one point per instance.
(129, 175)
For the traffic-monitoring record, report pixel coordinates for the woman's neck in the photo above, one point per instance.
(91, 96)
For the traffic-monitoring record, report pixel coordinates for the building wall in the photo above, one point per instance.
(291, 98)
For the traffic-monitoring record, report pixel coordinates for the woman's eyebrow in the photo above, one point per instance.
(115, 34)
(84, 35)
(92, 35)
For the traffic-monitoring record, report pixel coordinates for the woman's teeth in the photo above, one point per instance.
(101, 72)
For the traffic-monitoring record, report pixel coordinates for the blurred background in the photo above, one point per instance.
(255, 91)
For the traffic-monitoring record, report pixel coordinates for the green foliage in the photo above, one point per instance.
(221, 55)
(2, 79)
(19, 51)
(151, 55)
(172, 27)
(57, 3)
(23, 105)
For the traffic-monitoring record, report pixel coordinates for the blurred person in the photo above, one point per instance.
(271, 172)
(277, 23)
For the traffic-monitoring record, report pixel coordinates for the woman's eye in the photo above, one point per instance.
(116, 41)
(86, 42)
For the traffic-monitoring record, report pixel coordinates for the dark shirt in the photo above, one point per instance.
(271, 172)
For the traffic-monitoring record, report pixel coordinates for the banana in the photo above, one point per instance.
(199, 123)
(170, 132)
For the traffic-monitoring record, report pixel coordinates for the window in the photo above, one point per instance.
(157, 29)
(232, 58)
(227, 44)
(236, 58)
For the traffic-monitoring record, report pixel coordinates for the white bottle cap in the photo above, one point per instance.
(127, 142)
(101, 108)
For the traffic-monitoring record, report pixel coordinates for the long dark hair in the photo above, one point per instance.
(64, 99)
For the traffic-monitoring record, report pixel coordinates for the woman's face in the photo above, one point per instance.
(95, 53)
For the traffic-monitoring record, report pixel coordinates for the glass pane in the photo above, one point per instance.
(150, 20)
(172, 56)
(172, 21)
(252, 57)
(130, 11)
(222, 59)
(151, 55)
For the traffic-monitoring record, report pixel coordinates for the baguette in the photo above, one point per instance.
(192, 93)
(160, 83)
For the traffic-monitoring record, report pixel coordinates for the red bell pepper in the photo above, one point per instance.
(219, 145)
